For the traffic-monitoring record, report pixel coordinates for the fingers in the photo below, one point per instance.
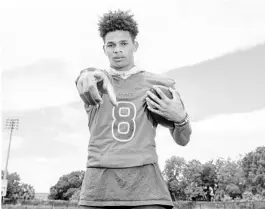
(90, 90)
(152, 104)
(160, 93)
(110, 91)
(176, 96)
(88, 99)
(93, 83)
(107, 87)
(153, 97)
(160, 98)
(80, 89)
(154, 110)
(94, 94)
(99, 76)
(87, 88)
(174, 93)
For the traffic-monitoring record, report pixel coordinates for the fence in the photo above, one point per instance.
(178, 205)
(49, 204)
(220, 205)
(18, 206)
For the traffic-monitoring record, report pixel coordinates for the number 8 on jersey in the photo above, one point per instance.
(123, 125)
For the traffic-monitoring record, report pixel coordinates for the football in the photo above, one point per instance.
(155, 117)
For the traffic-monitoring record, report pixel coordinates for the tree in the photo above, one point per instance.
(76, 195)
(13, 186)
(209, 178)
(173, 173)
(230, 178)
(223, 179)
(18, 190)
(67, 186)
(27, 192)
(209, 175)
(253, 165)
(192, 178)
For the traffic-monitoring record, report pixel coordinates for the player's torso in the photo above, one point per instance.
(124, 135)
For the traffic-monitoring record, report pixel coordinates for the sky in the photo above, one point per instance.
(45, 44)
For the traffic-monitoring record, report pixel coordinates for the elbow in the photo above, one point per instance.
(183, 143)
(184, 136)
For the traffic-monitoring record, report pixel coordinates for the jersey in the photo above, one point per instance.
(123, 136)
(134, 186)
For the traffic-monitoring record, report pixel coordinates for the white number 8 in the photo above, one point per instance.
(123, 125)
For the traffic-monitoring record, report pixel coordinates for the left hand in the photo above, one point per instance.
(171, 109)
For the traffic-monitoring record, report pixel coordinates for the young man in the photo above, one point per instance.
(122, 169)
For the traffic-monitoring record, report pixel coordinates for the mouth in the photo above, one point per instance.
(118, 59)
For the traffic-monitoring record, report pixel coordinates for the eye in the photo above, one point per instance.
(124, 44)
(110, 45)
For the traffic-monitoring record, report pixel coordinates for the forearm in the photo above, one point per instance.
(181, 135)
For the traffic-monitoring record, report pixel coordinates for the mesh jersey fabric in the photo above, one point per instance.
(135, 186)
(123, 136)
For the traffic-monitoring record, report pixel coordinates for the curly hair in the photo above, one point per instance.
(117, 20)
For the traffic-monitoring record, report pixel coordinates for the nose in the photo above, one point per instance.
(117, 49)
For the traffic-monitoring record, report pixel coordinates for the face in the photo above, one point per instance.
(120, 49)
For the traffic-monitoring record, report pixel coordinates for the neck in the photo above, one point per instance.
(126, 68)
(124, 74)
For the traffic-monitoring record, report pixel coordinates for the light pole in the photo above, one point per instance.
(12, 124)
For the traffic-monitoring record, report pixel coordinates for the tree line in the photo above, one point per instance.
(219, 180)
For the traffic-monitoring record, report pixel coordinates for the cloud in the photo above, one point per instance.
(220, 136)
(41, 160)
(16, 142)
(188, 32)
(41, 84)
(78, 140)
(74, 116)
(43, 172)
(45, 59)
(244, 123)
(39, 172)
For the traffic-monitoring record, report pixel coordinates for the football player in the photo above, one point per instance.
(122, 163)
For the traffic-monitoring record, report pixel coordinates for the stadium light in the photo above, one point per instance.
(11, 124)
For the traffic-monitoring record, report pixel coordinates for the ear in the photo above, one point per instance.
(136, 45)
(104, 49)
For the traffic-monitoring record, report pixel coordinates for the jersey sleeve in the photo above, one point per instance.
(159, 79)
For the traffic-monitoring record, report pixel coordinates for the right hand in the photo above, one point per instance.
(91, 84)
